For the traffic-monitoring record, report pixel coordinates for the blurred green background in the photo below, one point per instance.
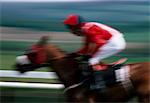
(129, 16)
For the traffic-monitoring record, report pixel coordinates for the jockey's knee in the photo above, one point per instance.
(93, 61)
(120, 46)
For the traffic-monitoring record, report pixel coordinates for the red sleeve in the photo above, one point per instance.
(98, 40)
(84, 49)
(94, 34)
(97, 35)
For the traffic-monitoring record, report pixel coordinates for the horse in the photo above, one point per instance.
(67, 69)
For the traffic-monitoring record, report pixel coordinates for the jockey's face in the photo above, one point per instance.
(75, 30)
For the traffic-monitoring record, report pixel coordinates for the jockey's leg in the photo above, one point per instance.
(114, 46)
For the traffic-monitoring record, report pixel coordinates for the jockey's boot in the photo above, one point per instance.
(97, 82)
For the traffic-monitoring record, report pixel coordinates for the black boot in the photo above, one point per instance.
(97, 81)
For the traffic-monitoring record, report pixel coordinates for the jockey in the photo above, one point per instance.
(100, 41)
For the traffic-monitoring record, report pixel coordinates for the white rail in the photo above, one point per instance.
(31, 85)
(43, 75)
(33, 74)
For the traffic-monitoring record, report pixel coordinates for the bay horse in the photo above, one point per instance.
(68, 72)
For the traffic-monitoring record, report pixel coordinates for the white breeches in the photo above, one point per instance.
(115, 45)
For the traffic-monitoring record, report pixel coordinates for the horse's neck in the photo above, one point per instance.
(54, 52)
(67, 70)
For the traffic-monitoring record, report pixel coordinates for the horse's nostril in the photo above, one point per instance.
(20, 68)
(16, 66)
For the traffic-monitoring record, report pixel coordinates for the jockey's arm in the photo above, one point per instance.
(96, 42)
(84, 49)
(91, 47)
(94, 38)
(94, 46)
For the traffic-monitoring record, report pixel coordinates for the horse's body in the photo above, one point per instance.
(67, 70)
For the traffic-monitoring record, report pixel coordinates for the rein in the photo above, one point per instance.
(74, 86)
(57, 58)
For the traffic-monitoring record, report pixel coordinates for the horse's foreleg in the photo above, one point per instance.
(144, 98)
(91, 99)
(76, 98)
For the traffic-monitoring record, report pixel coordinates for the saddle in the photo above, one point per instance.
(97, 80)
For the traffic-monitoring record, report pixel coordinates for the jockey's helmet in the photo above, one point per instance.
(72, 20)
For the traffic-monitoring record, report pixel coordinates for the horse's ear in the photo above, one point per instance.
(43, 40)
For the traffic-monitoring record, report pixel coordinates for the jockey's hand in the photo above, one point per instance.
(73, 55)
(85, 57)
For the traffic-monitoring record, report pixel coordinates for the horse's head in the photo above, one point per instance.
(39, 55)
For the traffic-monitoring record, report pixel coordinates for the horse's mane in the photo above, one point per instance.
(56, 48)
(55, 51)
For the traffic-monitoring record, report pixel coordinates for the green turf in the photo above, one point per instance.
(33, 80)
(28, 95)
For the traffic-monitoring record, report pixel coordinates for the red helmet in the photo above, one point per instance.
(72, 19)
